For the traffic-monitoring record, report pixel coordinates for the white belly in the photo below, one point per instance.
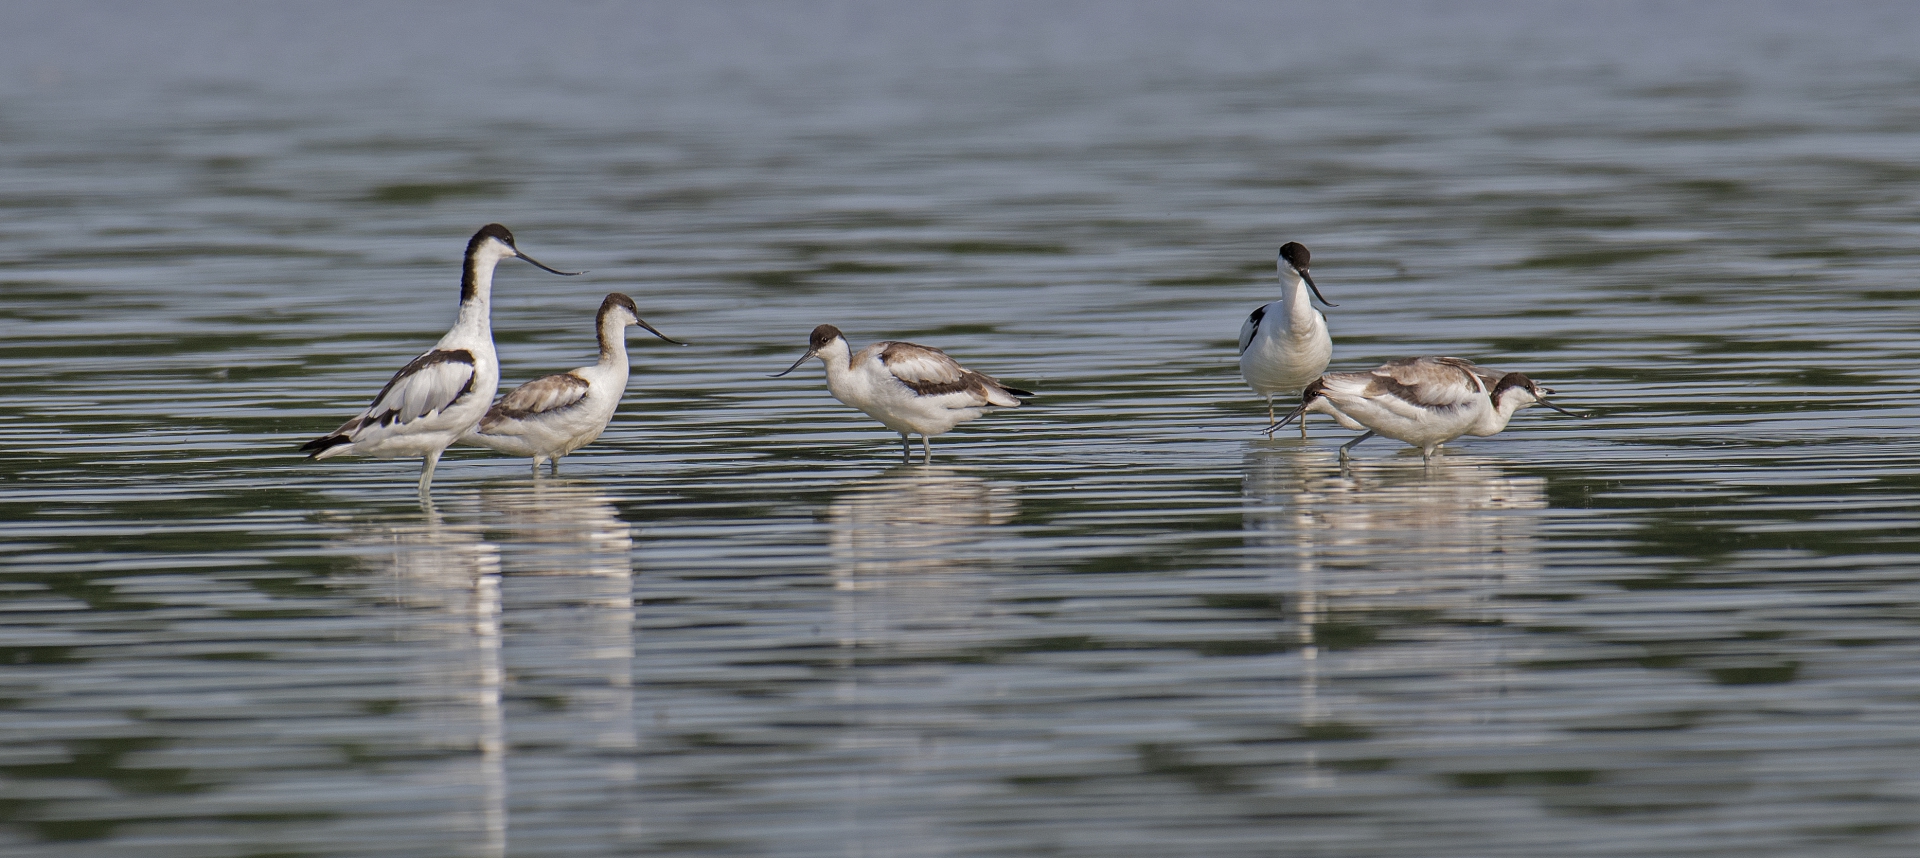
(1284, 358)
(899, 408)
(555, 433)
(431, 433)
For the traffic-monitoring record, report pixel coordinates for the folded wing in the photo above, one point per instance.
(425, 386)
(540, 396)
(1427, 384)
(1251, 326)
(930, 372)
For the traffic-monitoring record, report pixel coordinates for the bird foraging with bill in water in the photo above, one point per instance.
(1423, 401)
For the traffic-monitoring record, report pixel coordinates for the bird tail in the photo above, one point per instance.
(320, 448)
(1002, 394)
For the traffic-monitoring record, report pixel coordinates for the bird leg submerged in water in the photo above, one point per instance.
(1345, 449)
(440, 395)
(911, 389)
(1424, 402)
(1284, 344)
(554, 415)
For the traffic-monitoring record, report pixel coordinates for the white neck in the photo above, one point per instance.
(613, 343)
(1495, 419)
(1294, 298)
(838, 356)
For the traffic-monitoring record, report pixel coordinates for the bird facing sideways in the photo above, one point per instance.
(911, 389)
(441, 394)
(1423, 401)
(554, 415)
(1284, 344)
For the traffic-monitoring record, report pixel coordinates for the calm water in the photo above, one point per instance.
(1117, 622)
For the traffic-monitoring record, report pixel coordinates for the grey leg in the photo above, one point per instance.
(553, 466)
(426, 470)
(536, 467)
(906, 448)
(1349, 445)
(926, 450)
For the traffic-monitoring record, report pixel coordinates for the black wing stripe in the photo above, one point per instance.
(432, 358)
(437, 356)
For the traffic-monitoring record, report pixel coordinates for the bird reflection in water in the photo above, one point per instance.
(902, 543)
(525, 596)
(567, 560)
(912, 550)
(446, 579)
(1358, 548)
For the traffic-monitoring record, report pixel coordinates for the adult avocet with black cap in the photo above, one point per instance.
(440, 395)
(909, 388)
(1424, 401)
(554, 415)
(1284, 345)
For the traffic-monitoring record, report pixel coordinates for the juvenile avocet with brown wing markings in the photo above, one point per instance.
(1424, 401)
(438, 396)
(554, 415)
(909, 388)
(1284, 345)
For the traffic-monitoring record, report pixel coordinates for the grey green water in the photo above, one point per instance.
(1117, 622)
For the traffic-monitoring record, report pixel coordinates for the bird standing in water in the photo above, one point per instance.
(438, 396)
(554, 415)
(1423, 401)
(909, 388)
(1284, 345)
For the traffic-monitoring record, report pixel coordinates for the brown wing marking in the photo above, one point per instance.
(542, 395)
(1429, 382)
(931, 372)
(927, 371)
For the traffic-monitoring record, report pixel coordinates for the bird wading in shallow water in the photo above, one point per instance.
(909, 388)
(437, 397)
(554, 415)
(1423, 401)
(1284, 345)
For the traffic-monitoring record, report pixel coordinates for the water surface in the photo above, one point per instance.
(1116, 622)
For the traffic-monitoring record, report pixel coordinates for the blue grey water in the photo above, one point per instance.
(1116, 622)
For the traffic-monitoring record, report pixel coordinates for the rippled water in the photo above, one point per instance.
(1115, 622)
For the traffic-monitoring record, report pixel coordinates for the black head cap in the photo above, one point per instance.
(492, 230)
(1295, 254)
(821, 336)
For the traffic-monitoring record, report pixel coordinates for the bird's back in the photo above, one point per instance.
(930, 372)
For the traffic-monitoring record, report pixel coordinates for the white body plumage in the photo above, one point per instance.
(1285, 345)
(1424, 402)
(911, 389)
(440, 395)
(554, 415)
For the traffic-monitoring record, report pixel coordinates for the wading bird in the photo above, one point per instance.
(1284, 345)
(911, 389)
(1423, 401)
(440, 395)
(554, 415)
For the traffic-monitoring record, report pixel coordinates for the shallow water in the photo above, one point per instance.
(1115, 622)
